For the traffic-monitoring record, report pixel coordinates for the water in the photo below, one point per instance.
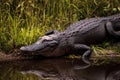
(57, 69)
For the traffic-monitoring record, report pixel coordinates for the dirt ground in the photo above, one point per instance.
(11, 57)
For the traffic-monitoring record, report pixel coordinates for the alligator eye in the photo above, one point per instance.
(46, 40)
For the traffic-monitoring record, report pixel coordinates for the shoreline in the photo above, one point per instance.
(11, 57)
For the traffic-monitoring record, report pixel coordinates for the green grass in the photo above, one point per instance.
(23, 21)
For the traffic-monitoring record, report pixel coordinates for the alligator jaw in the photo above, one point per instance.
(27, 50)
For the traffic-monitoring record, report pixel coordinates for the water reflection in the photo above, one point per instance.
(57, 69)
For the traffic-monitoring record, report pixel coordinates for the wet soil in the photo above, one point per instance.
(12, 57)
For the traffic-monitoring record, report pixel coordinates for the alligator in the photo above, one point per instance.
(76, 39)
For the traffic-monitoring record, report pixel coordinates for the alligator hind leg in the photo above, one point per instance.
(113, 29)
(87, 52)
(116, 25)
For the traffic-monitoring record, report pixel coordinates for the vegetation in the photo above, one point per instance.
(23, 21)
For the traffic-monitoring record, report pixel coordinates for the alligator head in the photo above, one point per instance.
(44, 46)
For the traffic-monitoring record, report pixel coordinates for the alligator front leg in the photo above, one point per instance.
(87, 52)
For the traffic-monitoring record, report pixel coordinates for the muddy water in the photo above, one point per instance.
(57, 69)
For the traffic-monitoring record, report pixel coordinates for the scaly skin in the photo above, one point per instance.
(76, 38)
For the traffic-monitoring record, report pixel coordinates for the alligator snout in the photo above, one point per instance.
(25, 49)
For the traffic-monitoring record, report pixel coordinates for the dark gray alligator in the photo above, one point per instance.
(76, 38)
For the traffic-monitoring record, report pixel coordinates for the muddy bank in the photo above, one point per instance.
(12, 57)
